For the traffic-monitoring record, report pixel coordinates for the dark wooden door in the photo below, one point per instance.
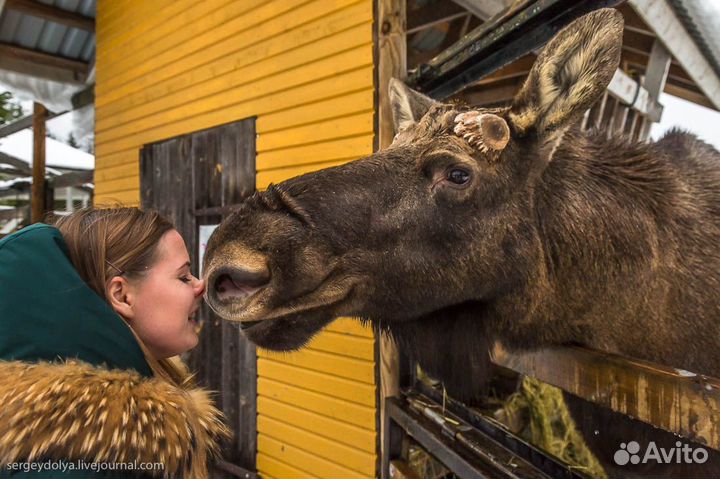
(193, 180)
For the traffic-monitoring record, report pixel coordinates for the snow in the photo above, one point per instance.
(57, 154)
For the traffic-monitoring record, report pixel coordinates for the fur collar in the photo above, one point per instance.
(75, 411)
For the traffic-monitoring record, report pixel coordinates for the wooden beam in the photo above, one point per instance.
(689, 95)
(657, 69)
(391, 60)
(22, 123)
(15, 162)
(656, 75)
(678, 401)
(52, 14)
(659, 15)
(632, 93)
(43, 65)
(21, 212)
(83, 98)
(37, 201)
(75, 178)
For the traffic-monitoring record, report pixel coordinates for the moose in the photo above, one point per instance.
(481, 225)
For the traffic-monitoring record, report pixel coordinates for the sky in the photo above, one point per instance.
(704, 122)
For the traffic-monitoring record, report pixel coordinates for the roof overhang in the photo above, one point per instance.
(659, 16)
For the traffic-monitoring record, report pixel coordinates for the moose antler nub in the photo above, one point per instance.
(483, 131)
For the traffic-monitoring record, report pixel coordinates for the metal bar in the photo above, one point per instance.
(497, 43)
(235, 470)
(441, 448)
(53, 14)
(529, 453)
(38, 206)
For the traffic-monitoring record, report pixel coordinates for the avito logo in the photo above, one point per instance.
(680, 454)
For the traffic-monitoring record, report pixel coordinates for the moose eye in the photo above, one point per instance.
(458, 176)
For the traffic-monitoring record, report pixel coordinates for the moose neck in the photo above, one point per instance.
(600, 208)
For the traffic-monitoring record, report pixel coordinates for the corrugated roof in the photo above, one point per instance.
(701, 19)
(34, 33)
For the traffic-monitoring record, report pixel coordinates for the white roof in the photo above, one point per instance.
(57, 154)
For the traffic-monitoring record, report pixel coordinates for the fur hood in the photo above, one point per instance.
(75, 411)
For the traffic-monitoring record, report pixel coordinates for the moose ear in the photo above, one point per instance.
(408, 106)
(570, 74)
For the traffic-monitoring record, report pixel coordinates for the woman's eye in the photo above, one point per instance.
(186, 279)
(458, 176)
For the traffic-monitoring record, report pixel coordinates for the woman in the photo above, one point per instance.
(92, 312)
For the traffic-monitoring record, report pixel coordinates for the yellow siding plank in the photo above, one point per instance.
(343, 367)
(339, 454)
(267, 465)
(238, 81)
(353, 391)
(184, 35)
(315, 112)
(114, 198)
(121, 184)
(130, 155)
(117, 172)
(350, 326)
(173, 90)
(344, 345)
(353, 125)
(303, 460)
(341, 432)
(339, 409)
(117, 139)
(324, 151)
(333, 86)
(118, 22)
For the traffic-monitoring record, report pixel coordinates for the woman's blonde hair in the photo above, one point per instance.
(106, 242)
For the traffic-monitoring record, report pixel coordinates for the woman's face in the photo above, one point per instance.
(164, 300)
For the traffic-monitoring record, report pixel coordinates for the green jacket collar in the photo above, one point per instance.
(47, 312)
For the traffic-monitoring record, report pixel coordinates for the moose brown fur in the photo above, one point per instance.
(558, 236)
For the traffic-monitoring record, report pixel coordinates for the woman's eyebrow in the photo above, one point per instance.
(185, 265)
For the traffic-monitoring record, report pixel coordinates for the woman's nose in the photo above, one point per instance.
(200, 287)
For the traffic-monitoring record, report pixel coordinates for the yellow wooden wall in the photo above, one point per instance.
(305, 69)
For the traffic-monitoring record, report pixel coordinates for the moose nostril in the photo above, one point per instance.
(236, 283)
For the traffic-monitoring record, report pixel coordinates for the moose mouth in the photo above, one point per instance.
(249, 299)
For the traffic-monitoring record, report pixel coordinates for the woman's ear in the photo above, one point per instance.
(120, 296)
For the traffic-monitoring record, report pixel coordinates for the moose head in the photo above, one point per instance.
(435, 239)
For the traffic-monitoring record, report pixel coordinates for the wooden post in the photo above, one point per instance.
(391, 59)
(655, 77)
(37, 197)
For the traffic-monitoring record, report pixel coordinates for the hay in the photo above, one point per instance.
(547, 424)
